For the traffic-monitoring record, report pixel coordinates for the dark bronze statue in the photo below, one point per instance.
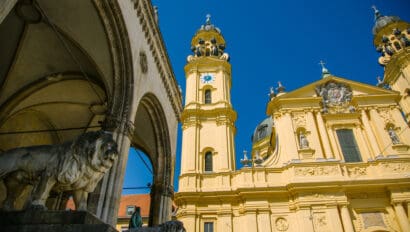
(75, 166)
(136, 219)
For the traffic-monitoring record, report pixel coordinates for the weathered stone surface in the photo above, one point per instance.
(50, 221)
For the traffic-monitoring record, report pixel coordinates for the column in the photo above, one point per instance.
(334, 219)
(324, 136)
(379, 124)
(250, 224)
(401, 216)
(284, 127)
(370, 134)
(304, 220)
(263, 219)
(346, 220)
(111, 188)
(311, 125)
(404, 134)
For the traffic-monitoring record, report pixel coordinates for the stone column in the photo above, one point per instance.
(111, 188)
(324, 136)
(290, 140)
(311, 125)
(379, 124)
(404, 134)
(334, 219)
(264, 221)
(346, 220)
(401, 216)
(305, 220)
(225, 222)
(370, 134)
(250, 224)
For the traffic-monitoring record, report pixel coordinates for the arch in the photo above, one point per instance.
(208, 96)
(208, 161)
(152, 136)
(107, 62)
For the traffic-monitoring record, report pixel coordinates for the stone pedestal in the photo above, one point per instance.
(52, 221)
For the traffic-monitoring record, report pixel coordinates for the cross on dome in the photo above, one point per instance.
(325, 72)
(208, 19)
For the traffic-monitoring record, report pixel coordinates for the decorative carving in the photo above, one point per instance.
(356, 171)
(143, 62)
(373, 219)
(299, 119)
(385, 114)
(75, 166)
(336, 96)
(320, 222)
(316, 171)
(281, 224)
(157, 47)
(396, 167)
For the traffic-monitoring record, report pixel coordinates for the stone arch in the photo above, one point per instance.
(28, 70)
(152, 136)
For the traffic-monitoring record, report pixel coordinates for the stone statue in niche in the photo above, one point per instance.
(303, 142)
(76, 166)
(393, 136)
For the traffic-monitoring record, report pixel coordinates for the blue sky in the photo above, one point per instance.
(270, 41)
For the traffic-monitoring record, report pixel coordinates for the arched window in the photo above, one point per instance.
(208, 161)
(397, 45)
(348, 144)
(208, 96)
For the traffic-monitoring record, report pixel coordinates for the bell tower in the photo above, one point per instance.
(208, 117)
(392, 40)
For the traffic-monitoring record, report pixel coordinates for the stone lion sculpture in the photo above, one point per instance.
(75, 166)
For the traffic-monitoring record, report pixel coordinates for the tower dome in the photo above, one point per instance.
(391, 36)
(262, 130)
(381, 21)
(208, 42)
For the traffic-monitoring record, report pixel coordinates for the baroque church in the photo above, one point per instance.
(333, 155)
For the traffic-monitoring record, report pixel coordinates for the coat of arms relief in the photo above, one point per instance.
(336, 97)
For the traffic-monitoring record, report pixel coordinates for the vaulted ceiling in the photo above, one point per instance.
(55, 71)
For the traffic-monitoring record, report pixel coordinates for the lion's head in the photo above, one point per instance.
(105, 152)
(96, 150)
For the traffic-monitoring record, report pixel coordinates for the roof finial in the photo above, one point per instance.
(208, 19)
(325, 72)
(376, 12)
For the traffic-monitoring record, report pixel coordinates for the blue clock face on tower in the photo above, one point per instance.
(207, 78)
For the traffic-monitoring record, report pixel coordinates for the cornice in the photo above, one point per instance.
(207, 63)
(146, 15)
(222, 116)
(396, 65)
(307, 103)
(212, 113)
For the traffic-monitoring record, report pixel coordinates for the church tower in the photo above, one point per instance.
(208, 117)
(392, 40)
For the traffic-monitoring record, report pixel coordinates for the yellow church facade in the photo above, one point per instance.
(333, 155)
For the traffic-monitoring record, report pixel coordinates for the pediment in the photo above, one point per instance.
(334, 95)
(357, 89)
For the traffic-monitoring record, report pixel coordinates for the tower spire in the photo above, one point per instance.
(325, 71)
(377, 14)
(208, 19)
